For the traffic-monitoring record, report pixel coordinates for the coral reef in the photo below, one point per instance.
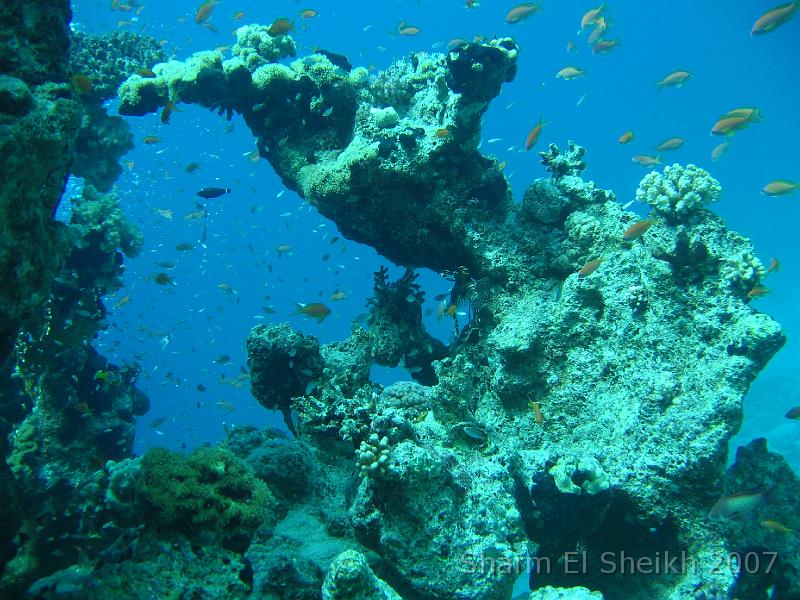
(108, 59)
(610, 363)
(102, 140)
(34, 38)
(38, 121)
(586, 402)
(37, 129)
(80, 409)
(392, 158)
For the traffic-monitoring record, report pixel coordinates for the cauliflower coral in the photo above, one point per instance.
(679, 191)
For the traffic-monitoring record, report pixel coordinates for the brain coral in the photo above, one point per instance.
(679, 191)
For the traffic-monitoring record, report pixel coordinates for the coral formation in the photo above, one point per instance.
(209, 492)
(586, 402)
(419, 197)
(108, 59)
(36, 139)
(679, 191)
(102, 140)
(350, 578)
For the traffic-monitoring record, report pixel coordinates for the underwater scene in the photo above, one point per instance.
(415, 299)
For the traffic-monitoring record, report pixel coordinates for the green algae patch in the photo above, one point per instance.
(209, 492)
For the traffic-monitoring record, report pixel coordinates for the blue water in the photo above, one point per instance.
(710, 39)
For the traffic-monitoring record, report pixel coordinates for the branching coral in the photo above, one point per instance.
(568, 163)
(679, 191)
(743, 271)
(373, 456)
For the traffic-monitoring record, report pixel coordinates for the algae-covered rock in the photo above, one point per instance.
(210, 492)
(34, 38)
(350, 578)
(35, 150)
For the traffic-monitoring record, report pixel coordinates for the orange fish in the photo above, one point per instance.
(589, 268)
(534, 134)
(774, 265)
(442, 132)
(780, 187)
(750, 113)
(670, 144)
(166, 113)
(407, 30)
(774, 18)
(238, 16)
(572, 46)
(280, 26)
(637, 230)
(522, 11)
(122, 301)
(603, 46)
(151, 139)
(626, 137)
(737, 505)
(645, 160)
(570, 72)
(210, 26)
(719, 150)
(674, 79)
(308, 13)
(146, 73)
(204, 11)
(757, 292)
(590, 16)
(338, 295)
(729, 125)
(315, 310)
(537, 411)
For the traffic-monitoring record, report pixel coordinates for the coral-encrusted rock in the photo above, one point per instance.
(35, 152)
(282, 363)
(600, 373)
(393, 158)
(478, 70)
(101, 142)
(350, 578)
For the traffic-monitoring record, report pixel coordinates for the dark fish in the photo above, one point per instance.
(213, 192)
(794, 413)
(339, 60)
